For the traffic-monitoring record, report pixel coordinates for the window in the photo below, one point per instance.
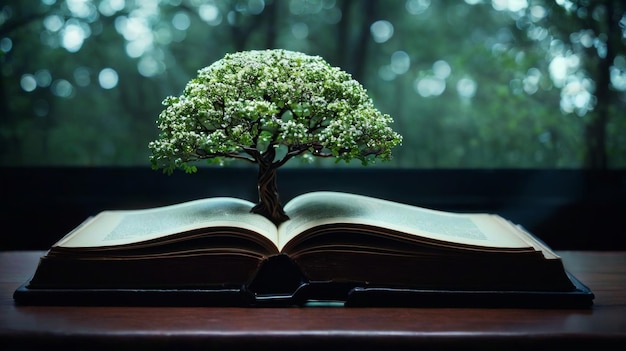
(470, 84)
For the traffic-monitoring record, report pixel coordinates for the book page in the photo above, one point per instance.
(122, 227)
(532, 240)
(319, 208)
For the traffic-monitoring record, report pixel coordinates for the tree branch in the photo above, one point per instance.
(237, 156)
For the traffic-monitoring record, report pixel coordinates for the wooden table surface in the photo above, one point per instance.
(185, 328)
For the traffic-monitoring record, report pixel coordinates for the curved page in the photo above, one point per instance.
(112, 228)
(324, 208)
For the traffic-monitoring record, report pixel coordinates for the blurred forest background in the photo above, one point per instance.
(470, 84)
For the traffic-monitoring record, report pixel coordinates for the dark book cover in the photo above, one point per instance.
(279, 282)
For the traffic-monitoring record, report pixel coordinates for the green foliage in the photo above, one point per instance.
(269, 106)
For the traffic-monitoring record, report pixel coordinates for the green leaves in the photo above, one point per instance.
(287, 116)
(301, 110)
(281, 151)
(267, 106)
(315, 120)
(264, 141)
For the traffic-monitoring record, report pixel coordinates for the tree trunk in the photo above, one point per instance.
(363, 39)
(269, 205)
(596, 130)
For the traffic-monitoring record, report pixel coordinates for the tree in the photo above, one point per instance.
(589, 32)
(267, 107)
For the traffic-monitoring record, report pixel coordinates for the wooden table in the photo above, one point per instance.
(114, 328)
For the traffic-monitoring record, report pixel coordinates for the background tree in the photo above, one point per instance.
(592, 32)
(267, 107)
(471, 84)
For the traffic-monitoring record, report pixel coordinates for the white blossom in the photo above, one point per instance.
(248, 101)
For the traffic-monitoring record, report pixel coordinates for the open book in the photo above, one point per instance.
(334, 244)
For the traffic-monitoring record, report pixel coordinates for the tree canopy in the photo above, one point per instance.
(252, 104)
